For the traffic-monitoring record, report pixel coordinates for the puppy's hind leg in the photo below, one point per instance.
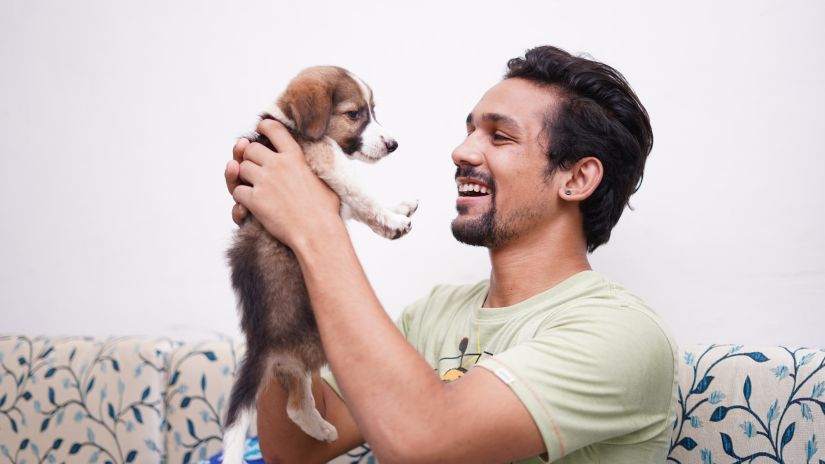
(301, 409)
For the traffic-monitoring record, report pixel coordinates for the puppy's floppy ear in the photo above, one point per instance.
(308, 102)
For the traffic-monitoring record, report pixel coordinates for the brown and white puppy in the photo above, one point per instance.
(330, 112)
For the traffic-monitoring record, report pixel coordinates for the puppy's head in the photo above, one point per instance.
(328, 101)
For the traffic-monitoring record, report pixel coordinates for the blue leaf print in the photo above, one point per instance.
(747, 388)
(788, 435)
(3, 399)
(727, 445)
(90, 435)
(772, 411)
(57, 443)
(818, 390)
(210, 355)
(75, 448)
(203, 383)
(811, 448)
(695, 422)
(806, 412)
(191, 426)
(45, 424)
(707, 456)
(185, 402)
(78, 416)
(121, 387)
(60, 416)
(36, 449)
(24, 443)
(716, 397)
(138, 370)
(94, 457)
(90, 385)
(757, 356)
(806, 359)
(735, 349)
(145, 393)
(687, 442)
(27, 395)
(36, 406)
(718, 414)
(51, 395)
(131, 456)
(704, 384)
(13, 424)
(174, 378)
(689, 358)
(115, 365)
(205, 416)
(111, 411)
(748, 429)
(187, 457)
(50, 372)
(136, 412)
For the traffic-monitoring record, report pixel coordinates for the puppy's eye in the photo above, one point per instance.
(352, 115)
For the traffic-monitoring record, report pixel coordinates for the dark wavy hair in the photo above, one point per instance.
(599, 116)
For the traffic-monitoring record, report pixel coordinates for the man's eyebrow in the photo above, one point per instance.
(501, 120)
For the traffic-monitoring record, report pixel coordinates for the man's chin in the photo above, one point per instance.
(475, 231)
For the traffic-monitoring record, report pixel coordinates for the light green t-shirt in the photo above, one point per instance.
(593, 365)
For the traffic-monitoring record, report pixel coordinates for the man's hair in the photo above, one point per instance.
(600, 116)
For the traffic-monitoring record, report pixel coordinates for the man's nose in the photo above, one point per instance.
(467, 153)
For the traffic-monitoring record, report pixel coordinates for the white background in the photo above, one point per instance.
(116, 121)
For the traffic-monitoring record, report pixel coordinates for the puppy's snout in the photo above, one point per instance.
(391, 145)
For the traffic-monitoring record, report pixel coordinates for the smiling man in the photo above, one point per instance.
(546, 360)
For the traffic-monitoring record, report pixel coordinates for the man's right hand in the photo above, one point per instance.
(232, 174)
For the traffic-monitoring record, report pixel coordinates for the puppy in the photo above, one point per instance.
(330, 112)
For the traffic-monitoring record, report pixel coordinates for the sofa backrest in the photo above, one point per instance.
(135, 399)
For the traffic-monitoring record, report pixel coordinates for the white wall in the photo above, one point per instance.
(116, 120)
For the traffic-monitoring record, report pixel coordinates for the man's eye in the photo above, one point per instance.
(500, 137)
(351, 114)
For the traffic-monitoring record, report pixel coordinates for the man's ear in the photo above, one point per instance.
(582, 179)
(308, 102)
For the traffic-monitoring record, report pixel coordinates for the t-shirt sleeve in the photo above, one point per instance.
(596, 375)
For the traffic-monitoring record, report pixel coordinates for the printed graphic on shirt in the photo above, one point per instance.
(464, 361)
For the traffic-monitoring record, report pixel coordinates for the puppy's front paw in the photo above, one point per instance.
(407, 208)
(394, 225)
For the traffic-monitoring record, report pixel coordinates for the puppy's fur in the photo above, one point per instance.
(330, 113)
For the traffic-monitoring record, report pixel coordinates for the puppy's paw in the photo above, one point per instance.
(407, 208)
(394, 225)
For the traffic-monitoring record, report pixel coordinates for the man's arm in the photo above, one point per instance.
(404, 411)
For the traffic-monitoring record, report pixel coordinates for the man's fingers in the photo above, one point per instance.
(232, 175)
(250, 172)
(238, 149)
(239, 212)
(278, 134)
(258, 154)
(242, 195)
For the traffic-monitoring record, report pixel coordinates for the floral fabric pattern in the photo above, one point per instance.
(740, 404)
(155, 400)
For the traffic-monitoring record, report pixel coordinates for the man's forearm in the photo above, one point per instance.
(388, 386)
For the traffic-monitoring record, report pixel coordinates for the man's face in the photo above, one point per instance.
(504, 192)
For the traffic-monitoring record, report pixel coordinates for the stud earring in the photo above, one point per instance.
(568, 192)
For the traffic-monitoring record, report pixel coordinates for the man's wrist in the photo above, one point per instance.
(328, 235)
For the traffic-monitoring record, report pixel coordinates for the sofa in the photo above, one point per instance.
(158, 400)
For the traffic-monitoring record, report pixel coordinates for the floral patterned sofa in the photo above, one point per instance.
(155, 400)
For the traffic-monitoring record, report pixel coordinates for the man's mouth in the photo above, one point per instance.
(467, 188)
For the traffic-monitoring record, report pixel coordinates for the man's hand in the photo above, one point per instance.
(279, 188)
(232, 175)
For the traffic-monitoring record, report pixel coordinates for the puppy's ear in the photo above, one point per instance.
(308, 102)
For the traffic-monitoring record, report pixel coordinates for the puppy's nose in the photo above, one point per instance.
(391, 145)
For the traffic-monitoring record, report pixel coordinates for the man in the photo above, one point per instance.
(571, 368)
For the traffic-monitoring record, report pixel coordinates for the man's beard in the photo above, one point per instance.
(486, 231)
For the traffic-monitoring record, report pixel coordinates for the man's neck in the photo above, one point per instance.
(530, 265)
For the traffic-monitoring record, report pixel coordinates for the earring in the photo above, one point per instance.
(568, 192)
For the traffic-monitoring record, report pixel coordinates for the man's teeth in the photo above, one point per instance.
(473, 188)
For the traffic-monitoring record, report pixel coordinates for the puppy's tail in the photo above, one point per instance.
(248, 381)
(234, 438)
